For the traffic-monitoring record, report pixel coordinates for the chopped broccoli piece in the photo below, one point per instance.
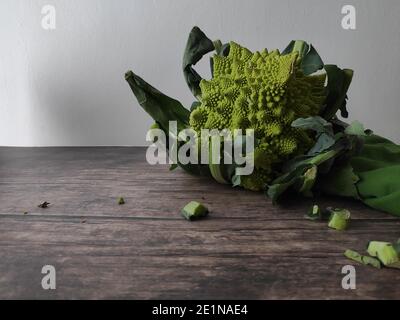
(339, 219)
(385, 252)
(314, 213)
(366, 260)
(194, 210)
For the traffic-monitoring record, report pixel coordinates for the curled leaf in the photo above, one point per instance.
(197, 46)
(158, 105)
(310, 59)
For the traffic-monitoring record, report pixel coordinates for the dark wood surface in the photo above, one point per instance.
(245, 249)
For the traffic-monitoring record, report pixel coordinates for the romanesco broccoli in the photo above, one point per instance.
(264, 91)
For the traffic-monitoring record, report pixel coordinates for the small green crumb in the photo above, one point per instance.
(121, 201)
(314, 213)
(385, 252)
(339, 219)
(366, 260)
(26, 212)
(194, 210)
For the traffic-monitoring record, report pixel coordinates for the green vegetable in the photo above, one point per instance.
(121, 201)
(339, 219)
(385, 252)
(378, 169)
(264, 91)
(301, 146)
(314, 213)
(366, 260)
(194, 210)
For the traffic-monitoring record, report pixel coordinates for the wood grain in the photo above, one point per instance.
(245, 249)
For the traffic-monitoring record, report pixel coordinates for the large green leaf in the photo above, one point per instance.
(159, 106)
(340, 181)
(378, 166)
(163, 109)
(197, 46)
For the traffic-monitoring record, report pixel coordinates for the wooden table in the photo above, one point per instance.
(246, 249)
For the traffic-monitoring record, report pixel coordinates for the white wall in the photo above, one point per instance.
(66, 87)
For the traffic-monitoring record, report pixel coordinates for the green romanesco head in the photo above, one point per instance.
(264, 91)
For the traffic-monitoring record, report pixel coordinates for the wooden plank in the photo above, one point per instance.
(246, 249)
(213, 258)
(82, 181)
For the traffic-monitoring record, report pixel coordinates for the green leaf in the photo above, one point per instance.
(291, 180)
(323, 129)
(317, 124)
(338, 84)
(311, 62)
(340, 181)
(323, 143)
(310, 59)
(289, 48)
(159, 106)
(163, 109)
(197, 46)
(298, 176)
